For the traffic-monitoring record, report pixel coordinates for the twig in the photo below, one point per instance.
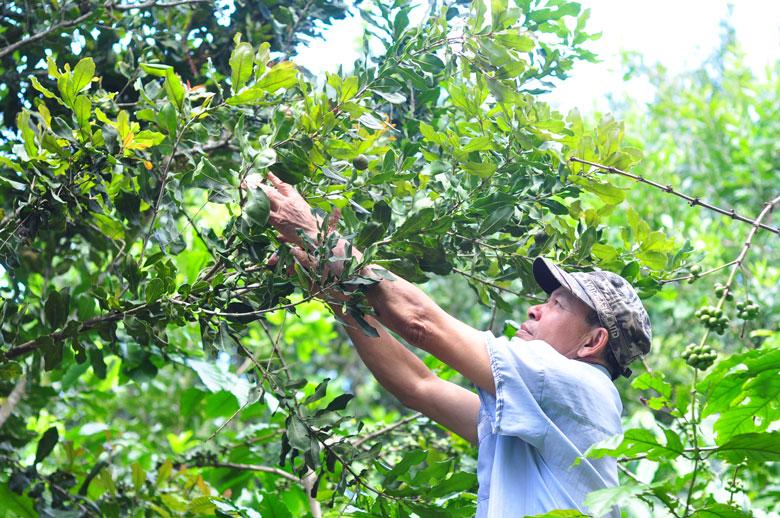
(13, 399)
(308, 481)
(382, 431)
(254, 467)
(487, 283)
(702, 274)
(87, 325)
(668, 188)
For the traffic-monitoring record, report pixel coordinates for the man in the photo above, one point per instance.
(542, 398)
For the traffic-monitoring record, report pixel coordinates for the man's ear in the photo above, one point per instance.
(595, 344)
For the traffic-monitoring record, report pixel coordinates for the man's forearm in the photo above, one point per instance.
(408, 311)
(396, 368)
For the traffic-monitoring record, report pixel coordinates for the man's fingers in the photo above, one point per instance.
(285, 188)
(252, 181)
(301, 256)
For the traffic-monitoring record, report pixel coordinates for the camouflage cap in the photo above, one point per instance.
(614, 301)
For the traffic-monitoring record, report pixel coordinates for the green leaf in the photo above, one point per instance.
(139, 477)
(457, 483)
(167, 118)
(349, 88)
(56, 309)
(608, 193)
(653, 380)
(155, 289)
(174, 89)
(319, 392)
(45, 91)
(202, 505)
(164, 472)
(638, 441)
(97, 362)
(561, 513)
(371, 122)
(496, 220)
(717, 510)
(156, 69)
(480, 143)
(480, 169)
(601, 502)
(416, 222)
(18, 506)
(46, 444)
(145, 139)
(52, 352)
(519, 42)
(744, 389)
(257, 208)
(241, 64)
(282, 75)
(297, 434)
(391, 97)
(83, 73)
(217, 380)
(109, 226)
(10, 371)
(251, 95)
(340, 402)
(755, 447)
(28, 135)
(273, 507)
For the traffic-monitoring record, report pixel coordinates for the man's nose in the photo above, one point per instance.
(534, 312)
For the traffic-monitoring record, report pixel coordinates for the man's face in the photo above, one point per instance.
(561, 322)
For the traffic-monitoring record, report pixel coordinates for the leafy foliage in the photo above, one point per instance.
(169, 370)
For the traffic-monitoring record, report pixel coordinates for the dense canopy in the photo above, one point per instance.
(153, 363)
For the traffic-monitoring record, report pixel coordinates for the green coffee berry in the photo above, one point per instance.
(360, 162)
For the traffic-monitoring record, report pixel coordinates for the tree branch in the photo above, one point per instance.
(668, 188)
(13, 399)
(35, 37)
(154, 3)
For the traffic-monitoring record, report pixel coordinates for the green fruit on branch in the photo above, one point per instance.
(254, 218)
(747, 309)
(699, 356)
(713, 318)
(721, 290)
(360, 162)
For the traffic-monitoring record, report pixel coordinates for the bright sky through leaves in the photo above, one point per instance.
(678, 35)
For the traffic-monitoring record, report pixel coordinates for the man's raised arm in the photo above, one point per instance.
(399, 305)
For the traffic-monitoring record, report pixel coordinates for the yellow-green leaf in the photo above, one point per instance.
(45, 91)
(349, 88)
(156, 69)
(82, 108)
(83, 74)
(241, 62)
(251, 95)
(174, 89)
(282, 75)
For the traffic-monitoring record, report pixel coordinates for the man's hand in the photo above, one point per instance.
(289, 211)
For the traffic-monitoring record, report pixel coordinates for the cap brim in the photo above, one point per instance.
(549, 277)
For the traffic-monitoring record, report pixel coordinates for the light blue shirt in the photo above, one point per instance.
(547, 411)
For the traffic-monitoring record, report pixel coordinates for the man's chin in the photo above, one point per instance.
(524, 335)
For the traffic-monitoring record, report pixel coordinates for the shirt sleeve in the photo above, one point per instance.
(518, 369)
